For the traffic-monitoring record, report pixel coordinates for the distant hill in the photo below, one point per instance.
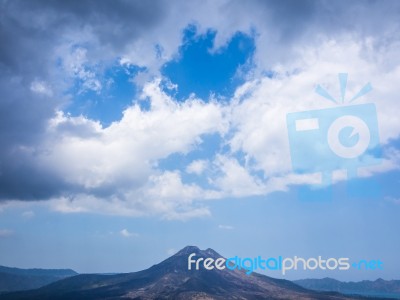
(171, 279)
(14, 279)
(377, 288)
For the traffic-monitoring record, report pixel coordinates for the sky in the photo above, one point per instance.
(132, 129)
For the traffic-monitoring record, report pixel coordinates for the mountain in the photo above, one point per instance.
(171, 279)
(377, 288)
(14, 279)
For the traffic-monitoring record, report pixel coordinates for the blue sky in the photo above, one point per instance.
(107, 106)
(200, 71)
(122, 146)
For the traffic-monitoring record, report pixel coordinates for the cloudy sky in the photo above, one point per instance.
(131, 129)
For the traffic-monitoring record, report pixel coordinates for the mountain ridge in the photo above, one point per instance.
(16, 279)
(378, 287)
(171, 279)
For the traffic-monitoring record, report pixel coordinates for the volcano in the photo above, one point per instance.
(171, 279)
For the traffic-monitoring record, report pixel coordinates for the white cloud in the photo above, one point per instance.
(126, 151)
(260, 108)
(122, 159)
(174, 199)
(197, 167)
(389, 162)
(77, 65)
(235, 180)
(115, 170)
(164, 195)
(41, 87)
(126, 233)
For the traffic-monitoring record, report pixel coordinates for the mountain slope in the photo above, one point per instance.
(171, 279)
(379, 287)
(14, 279)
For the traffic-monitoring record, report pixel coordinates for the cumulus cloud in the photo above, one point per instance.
(197, 166)
(163, 195)
(118, 162)
(94, 157)
(235, 180)
(79, 165)
(259, 117)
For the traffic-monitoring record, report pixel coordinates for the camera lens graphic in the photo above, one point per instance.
(359, 127)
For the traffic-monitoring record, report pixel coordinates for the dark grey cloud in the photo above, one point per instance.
(285, 26)
(23, 179)
(290, 18)
(114, 23)
(30, 32)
